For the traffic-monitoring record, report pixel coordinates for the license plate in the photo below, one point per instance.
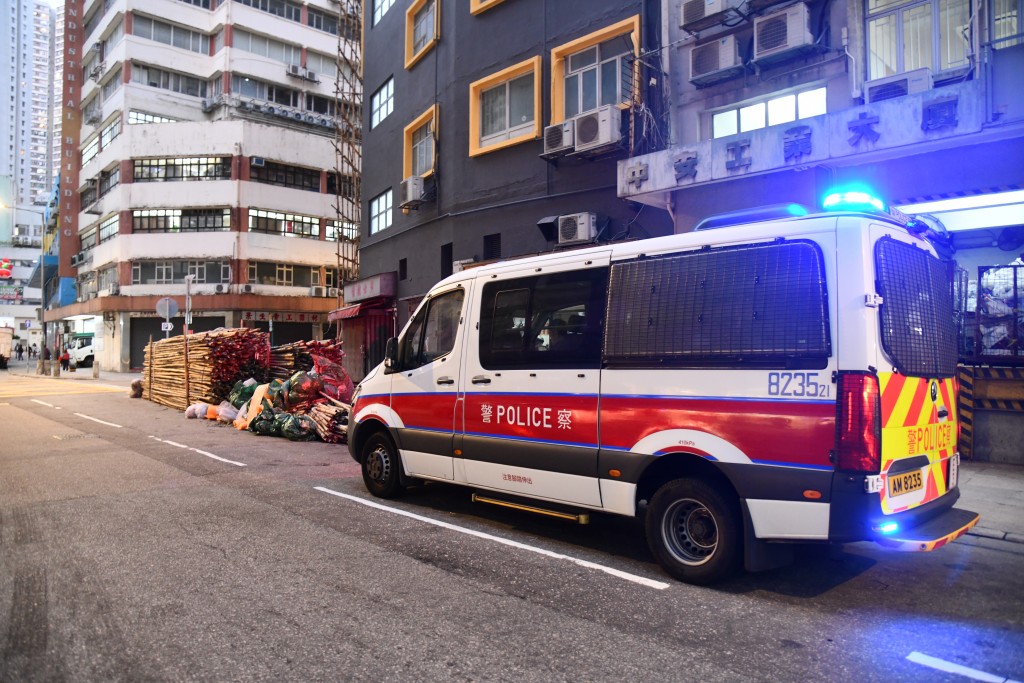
(907, 482)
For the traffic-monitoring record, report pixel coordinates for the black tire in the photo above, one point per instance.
(380, 463)
(694, 531)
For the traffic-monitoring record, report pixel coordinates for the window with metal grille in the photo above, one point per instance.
(762, 305)
(492, 247)
(916, 315)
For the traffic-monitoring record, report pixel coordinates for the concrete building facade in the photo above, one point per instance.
(200, 160)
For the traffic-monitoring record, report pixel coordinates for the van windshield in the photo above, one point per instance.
(916, 316)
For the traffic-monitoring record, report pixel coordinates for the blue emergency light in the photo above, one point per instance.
(852, 200)
(888, 528)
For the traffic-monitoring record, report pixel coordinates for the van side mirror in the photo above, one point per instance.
(391, 356)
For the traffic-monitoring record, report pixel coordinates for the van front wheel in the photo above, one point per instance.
(694, 531)
(380, 467)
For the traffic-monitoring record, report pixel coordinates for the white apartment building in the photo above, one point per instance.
(204, 166)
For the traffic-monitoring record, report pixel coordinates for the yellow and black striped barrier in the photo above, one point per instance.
(987, 388)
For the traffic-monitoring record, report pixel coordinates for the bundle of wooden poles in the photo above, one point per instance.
(216, 360)
(287, 359)
(331, 421)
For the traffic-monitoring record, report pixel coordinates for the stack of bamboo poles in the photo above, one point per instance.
(331, 421)
(288, 359)
(203, 367)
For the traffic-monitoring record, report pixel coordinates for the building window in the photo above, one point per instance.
(110, 87)
(318, 104)
(380, 8)
(112, 130)
(250, 87)
(90, 150)
(346, 189)
(88, 238)
(771, 112)
(447, 261)
(142, 117)
(108, 229)
(904, 35)
(163, 273)
(382, 102)
(322, 22)
(285, 274)
(347, 232)
(594, 70)
(197, 269)
(181, 220)
(321, 65)
(380, 212)
(492, 247)
(266, 47)
(421, 30)
(403, 269)
(287, 224)
(187, 168)
(1006, 16)
(478, 6)
(418, 152)
(153, 29)
(168, 80)
(504, 108)
(281, 8)
(109, 180)
(169, 272)
(286, 176)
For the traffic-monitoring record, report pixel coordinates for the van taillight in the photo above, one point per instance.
(858, 423)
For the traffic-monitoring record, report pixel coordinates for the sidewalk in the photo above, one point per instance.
(28, 368)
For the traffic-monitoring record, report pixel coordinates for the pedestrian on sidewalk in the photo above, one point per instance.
(46, 352)
(65, 360)
(19, 351)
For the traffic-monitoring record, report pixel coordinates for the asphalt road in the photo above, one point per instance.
(128, 551)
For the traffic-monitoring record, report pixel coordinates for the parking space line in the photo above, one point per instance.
(950, 667)
(102, 422)
(196, 450)
(643, 581)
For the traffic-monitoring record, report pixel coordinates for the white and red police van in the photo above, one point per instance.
(743, 387)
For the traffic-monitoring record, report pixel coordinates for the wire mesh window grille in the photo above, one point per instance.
(764, 305)
(1000, 313)
(916, 316)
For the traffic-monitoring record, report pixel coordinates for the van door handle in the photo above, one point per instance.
(445, 380)
(480, 379)
(943, 412)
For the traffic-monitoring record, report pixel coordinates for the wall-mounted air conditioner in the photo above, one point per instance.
(309, 118)
(209, 105)
(311, 76)
(317, 291)
(295, 70)
(112, 290)
(560, 138)
(258, 162)
(697, 15)
(246, 289)
(782, 35)
(598, 129)
(332, 292)
(78, 259)
(220, 289)
(715, 61)
(906, 83)
(577, 228)
(412, 192)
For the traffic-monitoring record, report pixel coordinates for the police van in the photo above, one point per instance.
(741, 387)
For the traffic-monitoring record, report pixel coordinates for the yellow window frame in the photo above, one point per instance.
(429, 116)
(410, 17)
(562, 52)
(478, 6)
(477, 88)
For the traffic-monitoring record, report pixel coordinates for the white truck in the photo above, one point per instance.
(80, 348)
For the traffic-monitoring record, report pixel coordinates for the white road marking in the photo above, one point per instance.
(950, 667)
(42, 403)
(196, 450)
(109, 424)
(650, 583)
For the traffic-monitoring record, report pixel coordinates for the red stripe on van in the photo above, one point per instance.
(891, 396)
(920, 394)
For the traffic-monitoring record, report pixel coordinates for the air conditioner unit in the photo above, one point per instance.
(317, 291)
(332, 292)
(309, 118)
(220, 289)
(715, 61)
(209, 105)
(297, 115)
(697, 15)
(311, 76)
(783, 34)
(78, 258)
(598, 129)
(327, 123)
(258, 162)
(245, 104)
(97, 46)
(560, 138)
(112, 290)
(411, 192)
(92, 117)
(295, 70)
(247, 289)
(577, 227)
(906, 83)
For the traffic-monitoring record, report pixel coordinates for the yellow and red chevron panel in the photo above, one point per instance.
(919, 418)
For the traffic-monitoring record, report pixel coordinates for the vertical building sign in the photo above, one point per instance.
(71, 131)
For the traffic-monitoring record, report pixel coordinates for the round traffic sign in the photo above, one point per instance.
(167, 307)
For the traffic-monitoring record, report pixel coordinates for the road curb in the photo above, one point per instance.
(996, 535)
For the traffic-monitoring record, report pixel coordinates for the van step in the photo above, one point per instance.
(580, 518)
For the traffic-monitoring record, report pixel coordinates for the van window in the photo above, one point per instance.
(916, 315)
(432, 332)
(762, 305)
(548, 321)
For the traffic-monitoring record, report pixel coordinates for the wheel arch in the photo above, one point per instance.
(368, 428)
(681, 465)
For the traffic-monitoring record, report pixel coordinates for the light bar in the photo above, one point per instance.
(854, 199)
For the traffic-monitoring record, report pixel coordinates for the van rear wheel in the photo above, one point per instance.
(380, 465)
(694, 531)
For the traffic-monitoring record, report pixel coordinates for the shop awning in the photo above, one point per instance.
(344, 313)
